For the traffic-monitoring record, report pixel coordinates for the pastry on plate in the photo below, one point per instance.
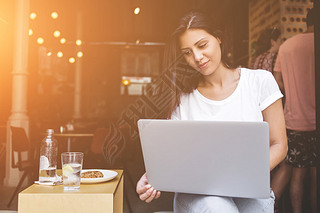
(92, 174)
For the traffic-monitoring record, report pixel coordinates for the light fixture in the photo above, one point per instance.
(30, 32)
(40, 40)
(137, 10)
(72, 60)
(63, 40)
(78, 42)
(125, 82)
(56, 33)
(54, 15)
(33, 16)
(59, 54)
(80, 54)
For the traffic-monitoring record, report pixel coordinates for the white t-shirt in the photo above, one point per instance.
(256, 90)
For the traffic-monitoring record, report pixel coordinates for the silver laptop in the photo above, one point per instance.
(223, 158)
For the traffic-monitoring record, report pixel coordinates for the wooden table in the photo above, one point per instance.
(97, 198)
(72, 135)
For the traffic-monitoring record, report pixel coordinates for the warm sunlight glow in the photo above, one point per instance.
(40, 40)
(137, 10)
(78, 42)
(30, 32)
(72, 60)
(56, 33)
(59, 54)
(80, 54)
(63, 40)
(33, 16)
(54, 15)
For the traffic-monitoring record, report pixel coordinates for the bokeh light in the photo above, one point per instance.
(137, 10)
(125, 82)
(78, 42)
(54, 15)
(49, 53)
(59, 54)
(56, 33)
(33, 16)
(72, 60)
(63, 40)
(40, 40)
(80, 54)
(30, 32)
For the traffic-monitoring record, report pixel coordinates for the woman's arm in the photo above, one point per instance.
(278, 137)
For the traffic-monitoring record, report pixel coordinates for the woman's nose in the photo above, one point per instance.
(198, 56)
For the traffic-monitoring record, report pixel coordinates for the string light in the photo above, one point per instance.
(49, 53)
(63, 40)
(80, 54)
(40, 40)
(59, 54)
(30, 32)
(54, 15)
(78, 42)
(72, 60)
(56, 33)
(137, 10)
(33, 16)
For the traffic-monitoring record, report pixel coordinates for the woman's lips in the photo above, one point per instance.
(203, 65)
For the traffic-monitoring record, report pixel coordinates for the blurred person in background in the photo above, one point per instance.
(267, 49)
(295, 73)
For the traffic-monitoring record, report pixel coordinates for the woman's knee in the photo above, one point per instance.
(202, 203)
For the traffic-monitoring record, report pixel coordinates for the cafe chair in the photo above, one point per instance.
(95, 156)
(20, 143)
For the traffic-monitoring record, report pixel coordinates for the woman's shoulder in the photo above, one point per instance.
(255, 76)
(256, 73)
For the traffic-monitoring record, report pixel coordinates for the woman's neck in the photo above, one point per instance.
(220, 77)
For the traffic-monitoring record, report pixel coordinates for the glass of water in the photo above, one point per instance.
(71, 170)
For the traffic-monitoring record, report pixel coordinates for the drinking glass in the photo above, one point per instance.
(71, 170)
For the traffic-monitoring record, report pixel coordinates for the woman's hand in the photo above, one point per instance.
(146, 192)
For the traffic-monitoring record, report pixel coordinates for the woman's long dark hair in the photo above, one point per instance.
(174, 61)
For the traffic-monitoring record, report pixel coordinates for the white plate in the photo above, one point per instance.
(107, 175)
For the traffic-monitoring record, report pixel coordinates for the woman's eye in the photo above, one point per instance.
(187, 52)
(203, 45)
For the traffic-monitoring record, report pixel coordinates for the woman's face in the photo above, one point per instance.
(201, 50)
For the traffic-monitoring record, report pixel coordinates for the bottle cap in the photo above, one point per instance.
(50, 131)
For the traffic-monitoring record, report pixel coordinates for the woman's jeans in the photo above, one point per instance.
(192, 203)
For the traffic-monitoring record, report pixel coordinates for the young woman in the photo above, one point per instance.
(219, 91)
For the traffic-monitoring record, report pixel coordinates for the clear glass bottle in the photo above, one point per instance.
(48, 158)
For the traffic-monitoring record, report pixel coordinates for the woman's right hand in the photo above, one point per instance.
(146, 192)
